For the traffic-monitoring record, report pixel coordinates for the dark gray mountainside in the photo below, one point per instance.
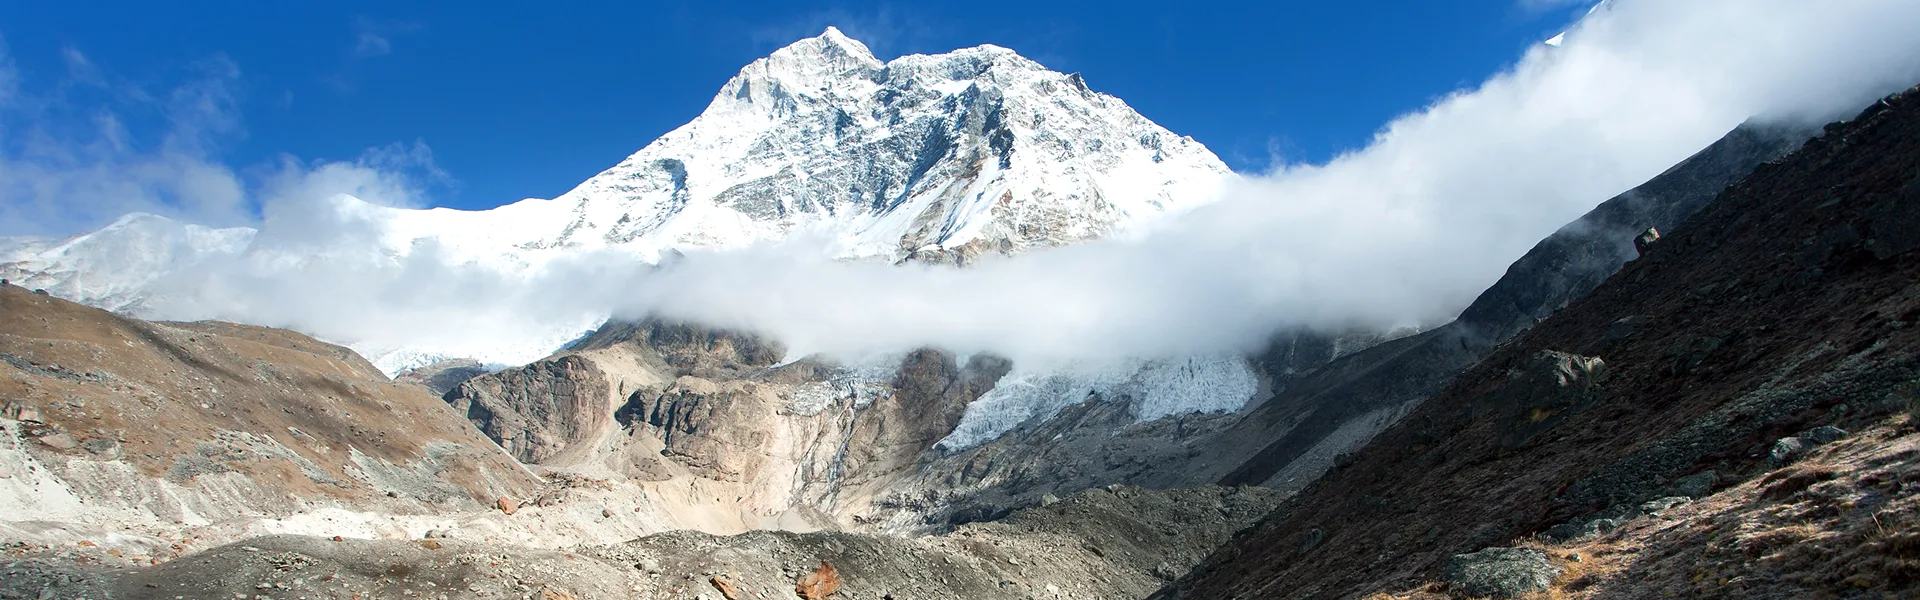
(1733, 414)
(1299, 430)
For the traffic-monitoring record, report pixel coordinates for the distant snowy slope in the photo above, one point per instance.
(113, 268)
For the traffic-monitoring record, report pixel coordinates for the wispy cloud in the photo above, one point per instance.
(80, 69)
(372, 37)
(370, 44)
(74, 162)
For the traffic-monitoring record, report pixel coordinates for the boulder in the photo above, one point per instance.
(1825, 434)
(1645, 241)
(1541, 393)
(1697, 485)
(1501, 572)
(1787, 450)
(822, 582)
(1656, 506)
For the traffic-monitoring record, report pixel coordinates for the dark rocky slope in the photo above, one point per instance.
(1786, 305)
(1388, 380)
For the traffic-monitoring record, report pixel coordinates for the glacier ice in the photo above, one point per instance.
(1152, 389)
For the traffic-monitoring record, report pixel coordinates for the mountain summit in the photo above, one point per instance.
(926, 157)
(976, 150)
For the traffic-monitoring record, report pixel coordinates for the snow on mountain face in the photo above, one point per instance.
(112, 268)
(937, 157)
(978, 147)
(1151, 388)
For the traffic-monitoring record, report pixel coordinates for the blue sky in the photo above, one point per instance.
(525, 100)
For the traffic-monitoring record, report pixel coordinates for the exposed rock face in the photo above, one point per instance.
(1809, 330)
(182, 429)
(661, 405)
(688, 349)
(539, 410)
(443, 376)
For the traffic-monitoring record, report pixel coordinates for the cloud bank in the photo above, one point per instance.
(1403, 232)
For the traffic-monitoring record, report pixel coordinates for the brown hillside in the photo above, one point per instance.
(164, 422)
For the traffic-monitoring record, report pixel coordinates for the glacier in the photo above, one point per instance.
(1151, 388)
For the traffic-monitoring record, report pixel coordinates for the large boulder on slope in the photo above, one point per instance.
(1501, 572)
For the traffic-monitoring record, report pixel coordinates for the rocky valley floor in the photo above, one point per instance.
(1122, 542)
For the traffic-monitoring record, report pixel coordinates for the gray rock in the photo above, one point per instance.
(1312, 540)
(59, 440)
(1501, 572)
(1166, 571)
(1592, 525)
(1542, 393)
(103, 447)
(1697, 485)
(1825, 434)
(1599, 526)
(1654, 507)
(1788, 450)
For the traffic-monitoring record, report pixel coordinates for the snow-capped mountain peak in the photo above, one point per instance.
(812, 65)
(930, 157)
(975, 150)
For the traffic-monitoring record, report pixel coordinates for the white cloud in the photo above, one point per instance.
(60, 175)
(81, 69)
(1405, 231)
(369, 44)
